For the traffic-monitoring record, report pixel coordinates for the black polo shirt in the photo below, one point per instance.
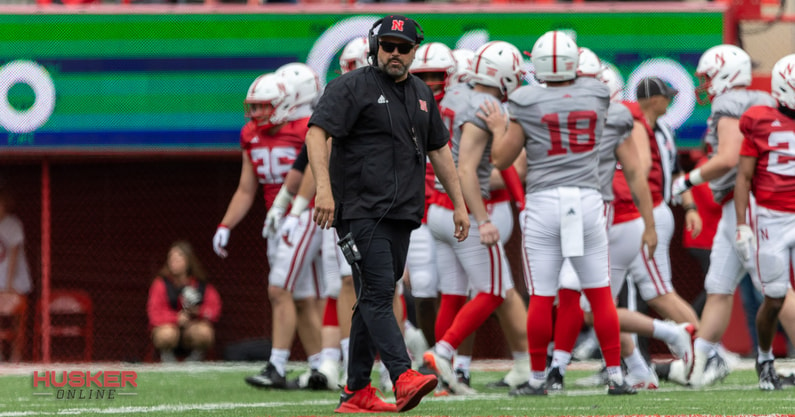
(382, 131)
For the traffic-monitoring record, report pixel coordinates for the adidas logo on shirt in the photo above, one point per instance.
(382, 99)
(776, 123)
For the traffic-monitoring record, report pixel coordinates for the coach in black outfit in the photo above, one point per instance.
(384, 122)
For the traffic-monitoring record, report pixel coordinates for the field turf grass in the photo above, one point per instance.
(219, 390)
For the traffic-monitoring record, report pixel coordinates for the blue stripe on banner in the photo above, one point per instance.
(189, 138)
(687, 136)
(226, 63)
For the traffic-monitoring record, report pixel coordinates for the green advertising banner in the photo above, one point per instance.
(176, 82)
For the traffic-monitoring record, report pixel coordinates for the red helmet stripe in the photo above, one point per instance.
(555, 52)
(477, 65)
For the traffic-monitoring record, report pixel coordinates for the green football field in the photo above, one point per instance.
(219, 390)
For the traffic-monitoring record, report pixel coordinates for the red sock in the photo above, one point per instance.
(330, 313)
(605, 323)
(471, 316)
(539, 330)
(569, 320)
(448, 309)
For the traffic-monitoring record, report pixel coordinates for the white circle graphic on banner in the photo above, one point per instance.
(35, 76)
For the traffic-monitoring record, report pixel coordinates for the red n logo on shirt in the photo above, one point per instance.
(423, 105)
(397, 25)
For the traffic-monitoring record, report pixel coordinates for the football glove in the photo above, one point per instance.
(220, 240)
(745, 244)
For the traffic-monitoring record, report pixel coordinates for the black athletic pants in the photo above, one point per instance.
(383, 246)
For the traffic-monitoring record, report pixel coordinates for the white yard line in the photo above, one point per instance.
(175, 408)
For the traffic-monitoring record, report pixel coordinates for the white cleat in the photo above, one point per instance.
(331, 370)
(649, 381)
(444, 370)
(385, 381)
(715, 370)
(416, 345)
(519, 373)
(676, 373)
(696, 378)
(682, 347)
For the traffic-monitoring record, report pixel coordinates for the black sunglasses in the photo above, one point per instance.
(403, 48)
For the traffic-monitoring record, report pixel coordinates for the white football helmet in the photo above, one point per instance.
(610, 76)
(304, 81)
(555, 57)
(588, 64)
(434, 57)
(463, 65)
(354, 55)
(498, 64)
(782, 83)
(721, 68)
(269, 89)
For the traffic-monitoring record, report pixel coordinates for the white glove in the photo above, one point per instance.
(276, 212)
(745, 244)
(271, 227)
(679, 186)
(288, 228)
(220, 240)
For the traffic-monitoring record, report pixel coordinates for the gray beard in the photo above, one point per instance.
(394, 72)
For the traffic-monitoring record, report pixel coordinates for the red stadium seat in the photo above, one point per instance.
(71, 316)
(13, 321)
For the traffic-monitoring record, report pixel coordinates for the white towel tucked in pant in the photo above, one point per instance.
(571, 230)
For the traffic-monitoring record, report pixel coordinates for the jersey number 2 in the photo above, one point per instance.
(581, 138)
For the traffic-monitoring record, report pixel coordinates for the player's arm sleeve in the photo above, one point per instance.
(211, 306)
(338, 108)
(302, 160)
(157, 307)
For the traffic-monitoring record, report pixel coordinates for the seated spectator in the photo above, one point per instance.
(182, 306)
(14, 271)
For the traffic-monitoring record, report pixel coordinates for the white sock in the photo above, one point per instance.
(463, 362)
(636, 364)
(664, 331)
(537, 379)
(444, 350)
(706, 347)
(167, 356)
(279, 359)
(560, 360)
(330, 354)
(615, 374)
(764, 356)
(345, 344)
(315, 360)
(520, 356)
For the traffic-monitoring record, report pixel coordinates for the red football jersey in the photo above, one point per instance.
(624, 206)
(273, 155)
(770, 137)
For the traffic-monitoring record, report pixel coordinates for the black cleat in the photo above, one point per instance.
(498, 384)
(268, 378)
(463, 378)
(317, 381)
(554, 379)
(527, 389)
(622, 389)
(768, 378)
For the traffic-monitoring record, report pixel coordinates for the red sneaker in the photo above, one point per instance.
(411, 386)
(364, 400)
